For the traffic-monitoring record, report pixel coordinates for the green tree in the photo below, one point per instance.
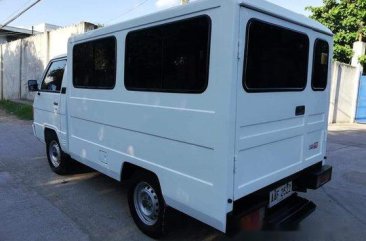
(346, 19)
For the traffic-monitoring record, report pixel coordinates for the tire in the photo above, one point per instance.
(57, 159)
(147, 205)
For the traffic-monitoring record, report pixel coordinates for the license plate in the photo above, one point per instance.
(280, 194)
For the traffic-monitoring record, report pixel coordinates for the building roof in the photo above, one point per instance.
(16, 30)
(8, 33)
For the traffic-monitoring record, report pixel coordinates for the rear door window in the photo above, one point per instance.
(276, 58)
(53, 79)
(320, 65)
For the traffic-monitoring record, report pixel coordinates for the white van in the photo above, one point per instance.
(217, 109)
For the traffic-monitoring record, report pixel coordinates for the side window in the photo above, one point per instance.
(94, 64)
(320, 65)
(53, 79)
(276, 58)
(172, 57)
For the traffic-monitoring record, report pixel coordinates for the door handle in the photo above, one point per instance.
(300, 110)
(55, 103)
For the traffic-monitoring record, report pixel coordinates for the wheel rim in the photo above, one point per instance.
(146, 203)
(54, 152)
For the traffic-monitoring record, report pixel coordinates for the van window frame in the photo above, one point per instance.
(115, 69)
(274, 90)
(208, 56)
(46, 72)
(313, 69)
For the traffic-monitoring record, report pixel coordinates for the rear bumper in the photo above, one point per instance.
(253, 209)
(314, 179)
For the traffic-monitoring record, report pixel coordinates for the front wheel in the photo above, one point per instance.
(57, 159)
(147, 205)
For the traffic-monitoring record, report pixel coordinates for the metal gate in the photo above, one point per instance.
(361, 102)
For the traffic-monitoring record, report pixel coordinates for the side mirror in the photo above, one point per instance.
(32, 85)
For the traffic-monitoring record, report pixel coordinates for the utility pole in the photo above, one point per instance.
(19, 14)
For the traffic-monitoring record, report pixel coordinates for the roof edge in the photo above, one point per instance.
(285, 14)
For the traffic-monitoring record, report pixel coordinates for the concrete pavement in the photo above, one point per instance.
(36, 204)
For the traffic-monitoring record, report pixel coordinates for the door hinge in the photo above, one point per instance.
(238, 56)
(234, 168)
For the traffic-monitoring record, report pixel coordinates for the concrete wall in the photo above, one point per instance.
(11, 72)
(1, 73)
(26, 59)
(2, 39)
(359, 49)
(34, 60)
(59, 37)
(344, 93)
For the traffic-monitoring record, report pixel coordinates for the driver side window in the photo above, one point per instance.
(53, 79)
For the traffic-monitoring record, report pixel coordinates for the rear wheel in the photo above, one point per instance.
(147, 205)
(57, 159)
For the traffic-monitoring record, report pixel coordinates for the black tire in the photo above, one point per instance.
(153, 226)
(60, 166)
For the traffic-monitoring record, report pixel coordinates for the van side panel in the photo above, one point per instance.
(187, 140)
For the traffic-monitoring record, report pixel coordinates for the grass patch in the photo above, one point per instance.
(22, 111)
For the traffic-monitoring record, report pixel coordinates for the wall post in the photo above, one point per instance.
(20, 67)
(1, 73)
(359, 49)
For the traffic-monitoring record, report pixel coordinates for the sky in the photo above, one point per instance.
(68, 12)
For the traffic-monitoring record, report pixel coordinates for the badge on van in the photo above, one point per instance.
(314, 146)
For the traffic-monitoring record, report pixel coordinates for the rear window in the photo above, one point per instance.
(320, 65)
(94, 64)
(276, 58)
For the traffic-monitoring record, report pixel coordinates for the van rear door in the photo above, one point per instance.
(279, 129)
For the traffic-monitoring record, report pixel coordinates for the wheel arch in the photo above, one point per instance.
(129, 170)
(49, 131)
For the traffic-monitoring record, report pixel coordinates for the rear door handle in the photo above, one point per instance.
(300, 110)
(55, 103)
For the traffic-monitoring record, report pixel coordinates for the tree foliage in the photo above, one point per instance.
(362, 60)
(347, 20)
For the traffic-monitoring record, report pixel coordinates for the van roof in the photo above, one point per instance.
(283, 13)
(199, 5)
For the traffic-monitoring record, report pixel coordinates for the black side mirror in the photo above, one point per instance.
(32, 85)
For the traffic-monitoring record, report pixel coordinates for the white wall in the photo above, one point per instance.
(2, 39)
(34, 60)
(344, 93)
(359, 49)
(58, 38)
(27, 58)
(11, 72)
